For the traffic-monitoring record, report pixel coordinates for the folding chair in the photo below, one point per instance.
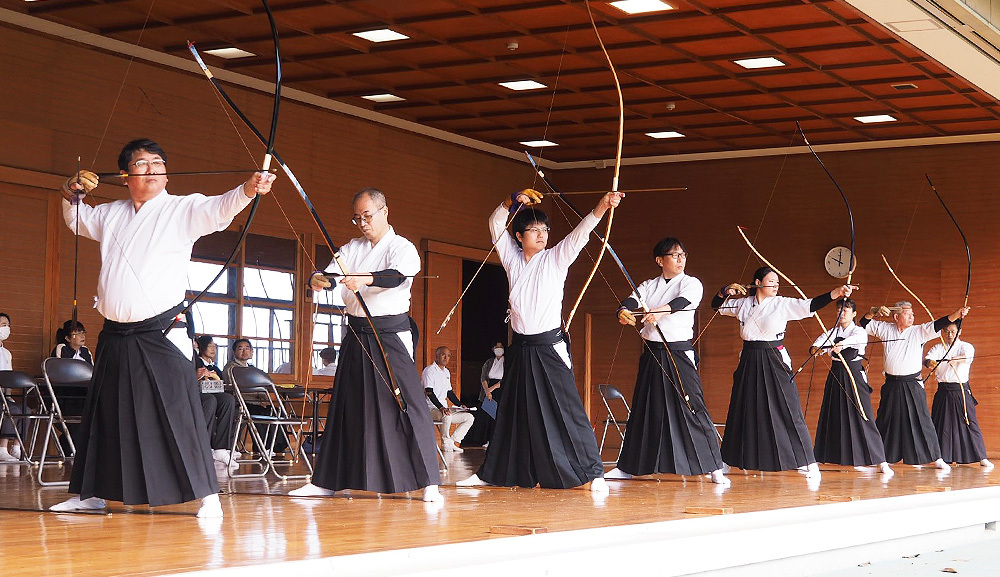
(610, 393)
(68, 374)
(22, 382)
(280, 420)
(437, 433)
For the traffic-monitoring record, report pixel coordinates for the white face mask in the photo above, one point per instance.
(4, 333)
(498, 352)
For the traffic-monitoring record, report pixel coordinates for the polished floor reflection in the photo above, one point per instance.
(262, 524)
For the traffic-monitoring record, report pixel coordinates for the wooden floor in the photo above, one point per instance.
(263, 525)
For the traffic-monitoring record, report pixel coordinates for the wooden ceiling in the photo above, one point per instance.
(676, 67)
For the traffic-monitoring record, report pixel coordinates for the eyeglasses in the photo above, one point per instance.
(676, 255)
(366, 217)
(146, 165)
(538, 229)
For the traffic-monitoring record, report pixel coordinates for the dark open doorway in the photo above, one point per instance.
(484, 312)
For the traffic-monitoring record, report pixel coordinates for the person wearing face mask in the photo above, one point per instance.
(10, 450)
(492, 375)
(765, 428)
(489, 393)
(143, 437)
(669, 429)
(903, 420)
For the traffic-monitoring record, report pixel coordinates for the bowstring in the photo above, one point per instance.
(760, 226)
(121, 88)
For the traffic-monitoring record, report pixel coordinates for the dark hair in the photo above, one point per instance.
(849, 303)
(68, 328)
(129, 150)
(203, 341)
(525, 218)
(6, 316)
(329, 354)
(237, 342)
(664, 246)
(759, 274)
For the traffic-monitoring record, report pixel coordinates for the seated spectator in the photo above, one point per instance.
(219, 408)
(71, 342)
(10, 450)
(436, 380)
(242, 353)
(329, 358)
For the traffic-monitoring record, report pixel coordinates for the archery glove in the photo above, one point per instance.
(81, 183)
(626, 317)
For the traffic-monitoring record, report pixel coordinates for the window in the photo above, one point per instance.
(253, 299)
(328, 319)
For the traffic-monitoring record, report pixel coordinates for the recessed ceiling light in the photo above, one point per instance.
(229, 53)
(386, 97)
(522, 85)
(665, 134)
(875, 118)
(766, 62)
(381, 35)
(538, 143)
(641, 6)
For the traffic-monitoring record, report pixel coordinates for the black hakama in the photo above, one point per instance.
(369, 443)
(482, 424)
(542, 434)
(663, 435)
(960, 442)
(843, 437)
(143, 438)
(765, 429)
(905, 423)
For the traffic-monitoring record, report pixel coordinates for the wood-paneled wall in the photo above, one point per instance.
(801, 216)
(58, 98)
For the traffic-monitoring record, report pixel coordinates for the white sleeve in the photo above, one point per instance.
(426, 381)
(823, 339)
(927, 331)
(403, 257)
(208, 214)
(640, 294)
(796, 309)
(935, 352)
(506, 245)
(857, 339)
(91, 219)
(569, 248)
(970, 352)
(693, 291)
(731, 307)
(874, 328)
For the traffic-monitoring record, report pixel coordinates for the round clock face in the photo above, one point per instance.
(838, 262)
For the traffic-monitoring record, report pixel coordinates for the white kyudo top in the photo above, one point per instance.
(766, 321)
(854, 337)
(145, 254)
(537, 286)
(903, 350)
(391, 252)
(959, 372)
(657, 293)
